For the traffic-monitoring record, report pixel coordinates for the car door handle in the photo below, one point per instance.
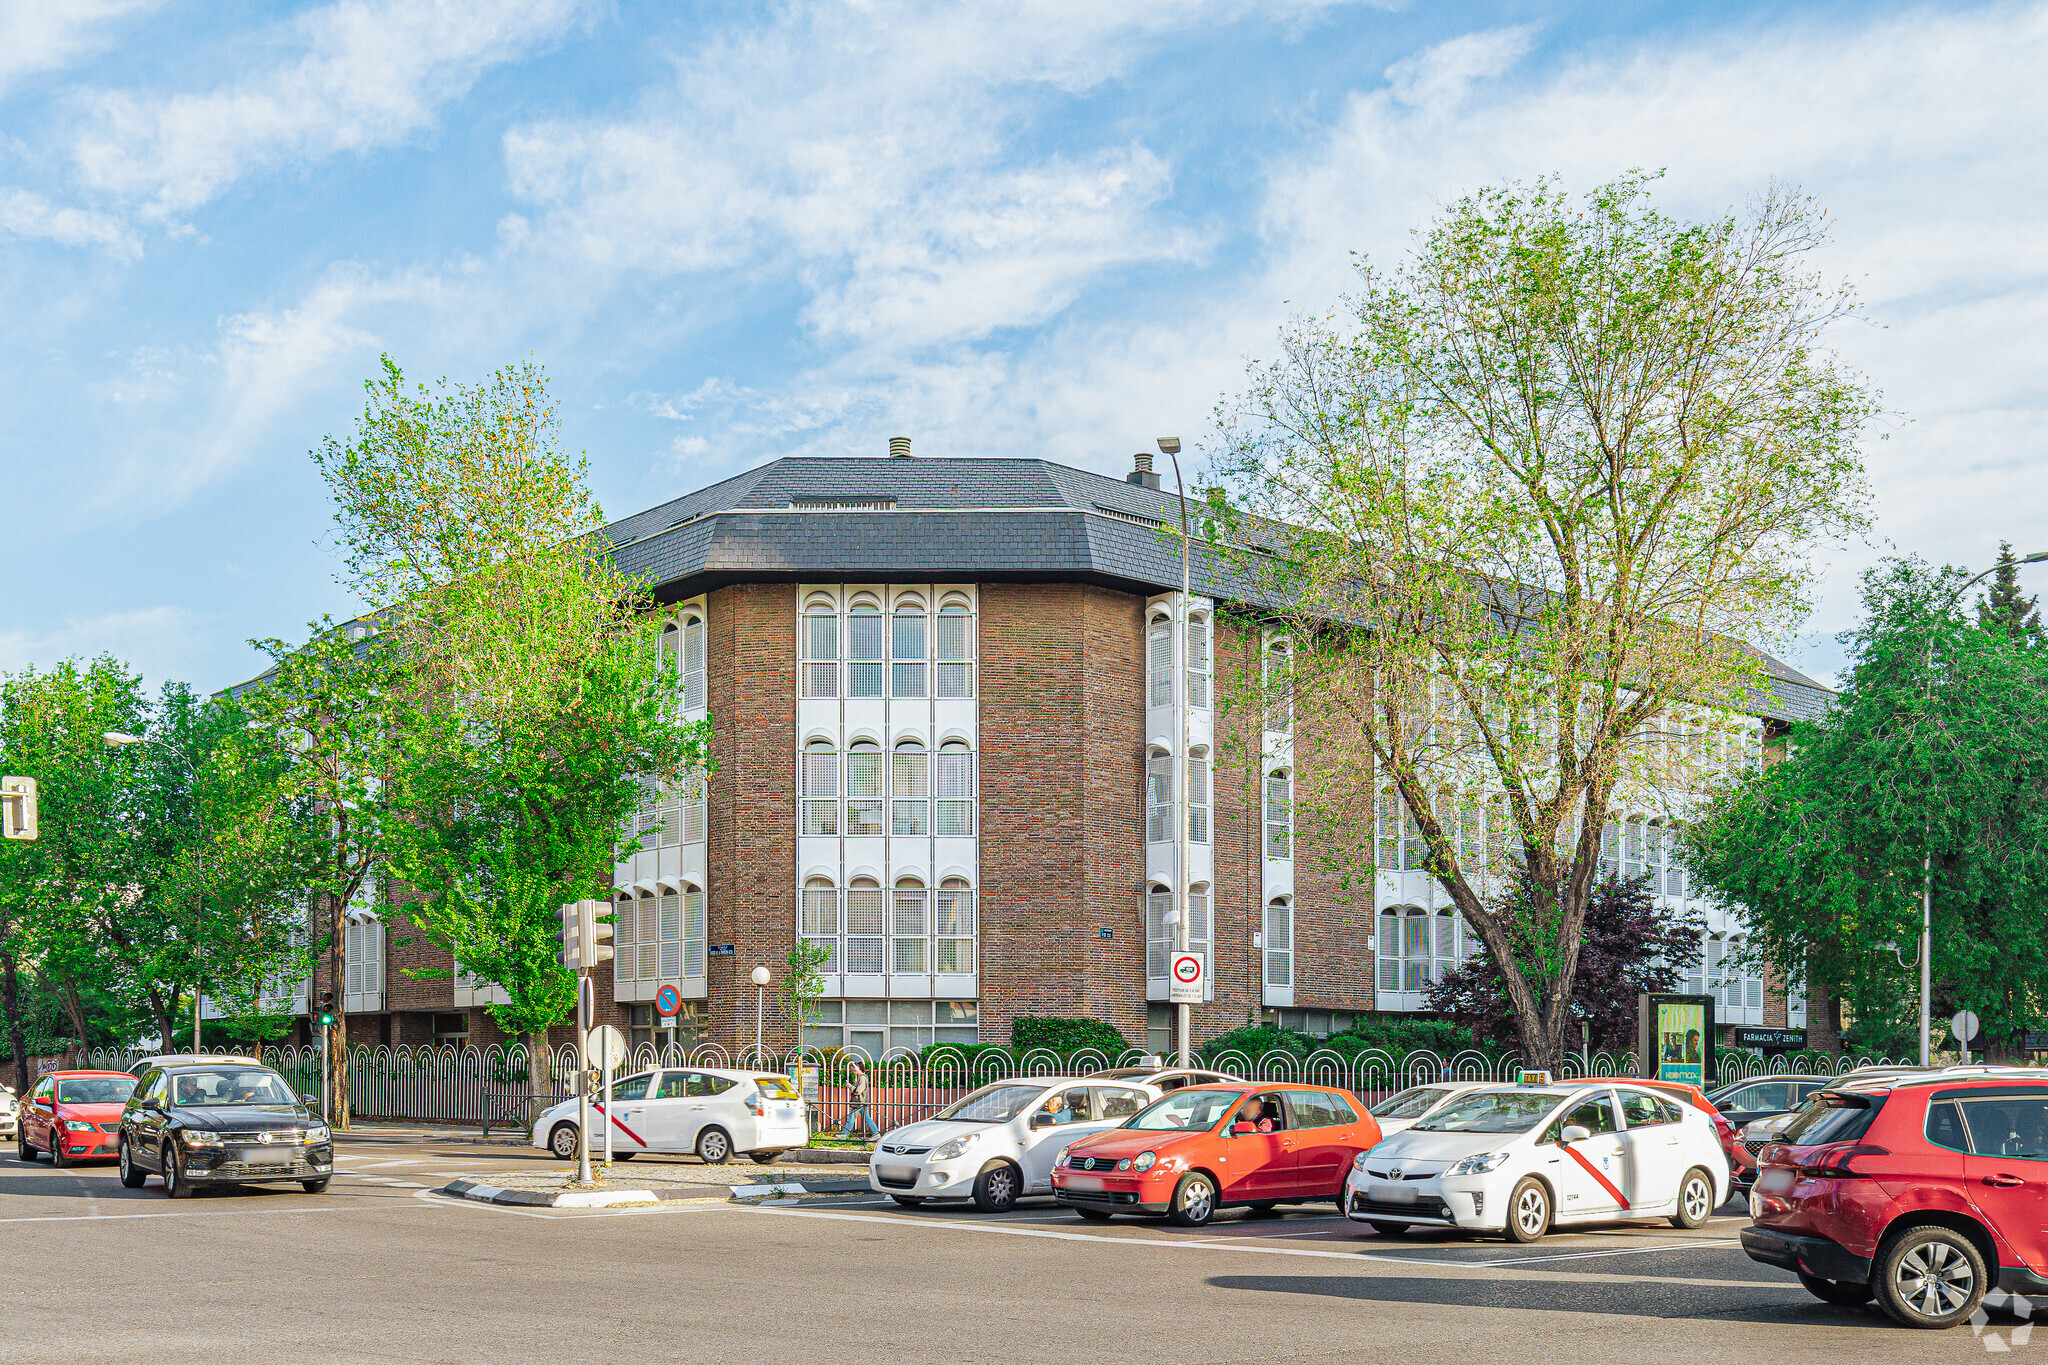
(2004, 1181)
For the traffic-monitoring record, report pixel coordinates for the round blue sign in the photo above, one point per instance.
(668, 1000)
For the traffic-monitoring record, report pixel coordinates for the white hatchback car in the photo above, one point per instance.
(998, 1143)
(687, 1109)
(1403, 1110)
(8, 1118)
(1520, 1159)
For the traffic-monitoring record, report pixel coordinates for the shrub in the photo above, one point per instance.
(1066, 1036)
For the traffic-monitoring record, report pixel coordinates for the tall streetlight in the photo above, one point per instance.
(1927, 859)
(1169, 446)
(116, 739)
(760, 979)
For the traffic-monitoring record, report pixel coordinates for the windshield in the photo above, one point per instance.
(1185, 1109)
(996, 1104)
(228, 1088)
(96, 1090)
(776, 1088)
(1408, 1103)
(1831, 1116)
(1493, 1111)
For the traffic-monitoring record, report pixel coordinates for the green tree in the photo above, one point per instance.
(1510, 504)
(2008, 609)
(1933, 760)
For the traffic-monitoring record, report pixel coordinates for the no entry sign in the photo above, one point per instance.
(1185, 979)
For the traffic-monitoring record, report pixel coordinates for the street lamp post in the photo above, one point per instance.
(1169, 446)
(1927, 859)
(760, 979)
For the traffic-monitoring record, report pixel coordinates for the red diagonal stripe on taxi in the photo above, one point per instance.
(1594, 1171)
(637, 1138)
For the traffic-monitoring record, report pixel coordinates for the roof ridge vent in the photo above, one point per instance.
(899, 447)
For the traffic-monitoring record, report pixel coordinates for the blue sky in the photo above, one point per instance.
(732, 232)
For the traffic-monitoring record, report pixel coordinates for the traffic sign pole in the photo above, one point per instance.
(583, 1013)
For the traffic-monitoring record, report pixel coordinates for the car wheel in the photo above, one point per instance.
(908, 1201)
(1528, 1210)
(1835, 1291)
(314, 1186)
(1389, 1229)
(562, 1141)
(996, 1189)
(1194, 1200)
(23, 1150)
(1093, 1215)
(714, 1146)
(57, 1157)
(1695, 1199)
(1929, 1277)
(132, 1175)
(765, 1158)
(176, 1186)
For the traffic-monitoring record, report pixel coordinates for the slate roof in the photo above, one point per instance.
(812, 518)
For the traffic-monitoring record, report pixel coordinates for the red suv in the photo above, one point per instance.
(1922, 1191)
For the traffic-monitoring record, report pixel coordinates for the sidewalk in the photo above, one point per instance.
(383, 1132)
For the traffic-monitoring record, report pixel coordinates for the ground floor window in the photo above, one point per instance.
(1315, 1023)
(451, 1030)
(644, 1026)
(1159, 1025)
(886, 1027)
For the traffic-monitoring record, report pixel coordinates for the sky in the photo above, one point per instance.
(732, 232)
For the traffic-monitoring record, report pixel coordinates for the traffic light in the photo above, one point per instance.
(17, 807)
(586, 935)
(325, 1017)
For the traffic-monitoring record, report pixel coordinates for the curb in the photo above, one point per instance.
(558, 1199)
(785, 1189)
(416, 1138)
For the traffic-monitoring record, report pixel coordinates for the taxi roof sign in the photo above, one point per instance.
(1532, 1078)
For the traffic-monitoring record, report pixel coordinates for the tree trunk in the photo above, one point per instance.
(71, 1007)
(10, 999)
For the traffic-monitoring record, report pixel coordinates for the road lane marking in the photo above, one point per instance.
(1617, 1251)
(249, 1212)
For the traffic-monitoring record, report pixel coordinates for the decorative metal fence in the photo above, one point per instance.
(494, 1086)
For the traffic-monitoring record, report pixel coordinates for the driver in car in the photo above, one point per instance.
(1254, 1113)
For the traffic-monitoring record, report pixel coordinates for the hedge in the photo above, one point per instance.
(1066, 1036)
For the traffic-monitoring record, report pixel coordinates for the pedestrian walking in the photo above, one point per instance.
(857, 1108)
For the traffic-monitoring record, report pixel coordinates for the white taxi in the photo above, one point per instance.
(1404, 1109)
(709, 1112)
(998, 1143)
(1521, 1159)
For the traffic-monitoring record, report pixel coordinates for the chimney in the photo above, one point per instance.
(1142, 475)
(899, 447)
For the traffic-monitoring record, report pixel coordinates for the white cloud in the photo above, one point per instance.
(156, 641)
(1441, 74)
(372, 73)
(43, 35)
(28, 216)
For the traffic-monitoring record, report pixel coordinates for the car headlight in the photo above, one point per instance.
(957, 1147)
(1358, 1162)
(1060, 1161)
(192, 1137)
(79, 1126)
(1478, 1164)
(1144, 1161)
(318, 1133)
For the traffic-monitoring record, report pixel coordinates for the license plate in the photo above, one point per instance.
(785, 1112)
(902, 1174)
(1084, 1182)
(1776, 1180)
(267, 1156)
(1390, 1194)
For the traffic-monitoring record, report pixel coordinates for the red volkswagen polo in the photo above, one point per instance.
(1205, 1148)
(73, 1115)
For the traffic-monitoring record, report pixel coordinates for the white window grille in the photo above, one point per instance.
(866, 650)
(1447, 944)
(1198, 919)
(1198, 662)
(910, 790)
(864, 789)
(1696, 970)
(955, 790)
(1159, 665)
(1610, 849)
(909, 926)
(1198, 798)
(1404, 949)
(819, 919)
(671, 936)
(907, 650)
(954, 630)
(647, 938)
(866, 927)
(821, 651)
(1279, 689)
(625, 940)
(820, 788)
(693, 932)
(1159, 799)
(363, 964)
(693, 803)
(1158, 933)
(1280, 943)
(1279, 816)
(955, 927)
(694, 690)
(1632, 862)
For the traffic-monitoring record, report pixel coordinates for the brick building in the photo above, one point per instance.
(945, 749)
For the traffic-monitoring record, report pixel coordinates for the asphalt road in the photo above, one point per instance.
(382, 1269)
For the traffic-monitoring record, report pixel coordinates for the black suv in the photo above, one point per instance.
(220, 1121)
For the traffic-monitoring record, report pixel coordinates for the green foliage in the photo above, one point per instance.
(1397, 1036)
(802, 984)
(1066, 1036)
(2005, 608)
(1937, 750)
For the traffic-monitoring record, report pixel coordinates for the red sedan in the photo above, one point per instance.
(74, 1116)
(1205, 1148)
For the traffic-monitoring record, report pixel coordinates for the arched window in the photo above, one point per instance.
(693, 931)
(910, 790)
(670, 648)
(954, 927)
(864, 788)
(1279, 814)
(1280, 942)
(1610, 849)
(866, 649)
(647, 938)
(625, 938)
(866, 927)
(821, 649)
(1198, 661)
(1159, 823)
(670, 936)
(1279, 688)
(693, 663)
(1159, 663)
(1198, 918)
(1198, 796)
(1403, 948)
(1158, 933)
(1447, 948)
(818, 918)
(955, 790)
(909, 926)
(955, 641)
(907, 649)
(1632, 862)
(820, 788)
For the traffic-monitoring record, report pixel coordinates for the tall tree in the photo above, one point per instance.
(1511, 503)
(1933, 760)
(2008, 609)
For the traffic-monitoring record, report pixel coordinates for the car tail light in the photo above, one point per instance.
(1835, 1159)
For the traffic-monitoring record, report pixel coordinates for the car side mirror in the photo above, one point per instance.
(1574, 1133)
(309, 1101)
(1241, 1129)
(1041, 1119)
